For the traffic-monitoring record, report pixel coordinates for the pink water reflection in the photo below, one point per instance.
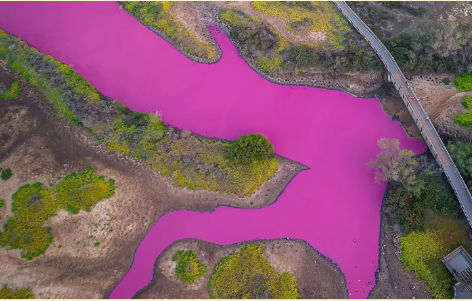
(334, 206)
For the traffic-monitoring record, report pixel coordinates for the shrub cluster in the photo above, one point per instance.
(247, 275)
(5, 174)
(13, 92)
(461, 153)
(250, 148)
(189, 268)
(33, 205)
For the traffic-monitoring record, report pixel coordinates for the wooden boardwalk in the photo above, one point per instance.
(429, 133)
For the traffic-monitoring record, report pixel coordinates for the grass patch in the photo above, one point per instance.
(33, 205)
(13, 92)
(6, 293)
(5, 174)
(190, 161)
(247, 275)
(463, 82)
(156, 14)
(308, 17)
(189, 268)
(2, 203)
(422, 253)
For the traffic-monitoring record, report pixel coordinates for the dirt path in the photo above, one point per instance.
(39, 147)
(317, 277)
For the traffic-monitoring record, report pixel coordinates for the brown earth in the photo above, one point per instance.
(38, 147)
(317, 277)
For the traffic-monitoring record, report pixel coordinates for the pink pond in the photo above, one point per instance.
(334, 206)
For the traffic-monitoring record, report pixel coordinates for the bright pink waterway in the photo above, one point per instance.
(334, 206)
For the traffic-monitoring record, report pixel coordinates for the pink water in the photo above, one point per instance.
(334, 206)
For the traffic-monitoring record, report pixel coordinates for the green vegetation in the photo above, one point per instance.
(446, 81)
(395, 164)
(189, 268)
(461, 153)
(96, 244)
(250, 148)
(2, 203)
(33, 205)
(275, 55)
(157, 15)
(6, 293)
(192, 162)
(426, 211)
(247, 275)
(467, 102)
(13, 92)
(463, 82)
(417, 41)
(408, 210)
(465, 119)
(422, 253)
(82, 191)
(5, 174)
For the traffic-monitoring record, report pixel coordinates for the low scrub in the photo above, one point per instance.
(189, 268)
(6, 293)
(461, 152)
(247, 275)
(192, 162)
(11, 93)
(33, 205)
(157, 15)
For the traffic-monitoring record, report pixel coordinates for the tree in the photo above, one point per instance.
(250, 148)
(395, 164)
(461, 152)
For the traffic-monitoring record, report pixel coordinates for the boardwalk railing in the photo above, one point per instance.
(421, 118)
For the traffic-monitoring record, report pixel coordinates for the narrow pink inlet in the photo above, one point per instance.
(334, 206)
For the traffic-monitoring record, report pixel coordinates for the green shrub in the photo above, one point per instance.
(83, 191)
(422, 253)
(2, 203)
(461, 152)
(188, 268)
(96, 244)
(463, 82)
(408, 210)
(33, 205)
(250, 148)
(6, 293)
(464, 120)
(5, 174)
(247, 275)
(446, 81)
(467, 102)
(12, 93)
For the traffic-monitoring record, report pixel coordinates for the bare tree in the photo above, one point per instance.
(396, 164)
